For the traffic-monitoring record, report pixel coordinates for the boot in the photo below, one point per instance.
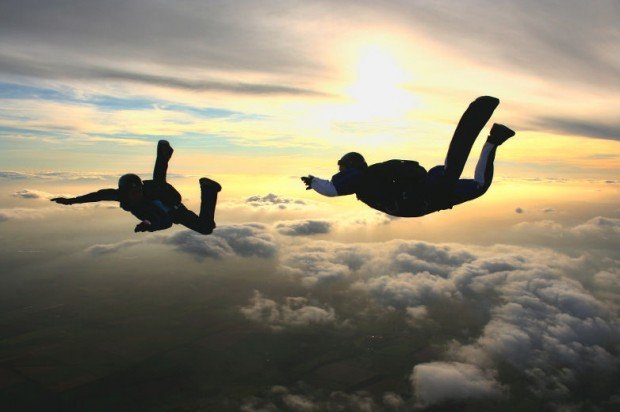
(205, 183)
(499, 134)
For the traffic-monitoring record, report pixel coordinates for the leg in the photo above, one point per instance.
(473, 120)
(164, 153)
(192, 221)
(468, 189)
(205, 223)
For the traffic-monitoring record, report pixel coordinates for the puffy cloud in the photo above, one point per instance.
(320, 262)
(416, 314)
(299, 403)
(295, 312)
(437, 382)
(21, 213)
(243, 240)
(303, 397)
(597, 232)
(104, 249)
(304, 228)
(271, 200)
(393, 400)
(608, 279)
(407, 289)
(32, 194)
(533, 313)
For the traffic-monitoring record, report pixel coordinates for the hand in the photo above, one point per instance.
(62, 200)
(164, 149)
(143, 226)
(307, 181)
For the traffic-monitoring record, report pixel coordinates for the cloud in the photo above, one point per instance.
(323, 262)
(597, 232)
(608, 279)
(576, 127)
(294, 312)
(303, 397)
(272, 199)
(407, 289)
(21, 213)
(304, 228)
(299, 403)
(245, 240)
(57, 175)
(437, 382)
(519, 210)
(543, 313)
(32, 194)
(104, 249)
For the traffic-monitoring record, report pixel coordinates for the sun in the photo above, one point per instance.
(378, 90)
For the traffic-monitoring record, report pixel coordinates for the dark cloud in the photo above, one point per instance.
(578, 127)
(304, 228)
(245, 240)
(574, 42)
(57, 175)
(519, 210)
(72, 72)
(189, 36)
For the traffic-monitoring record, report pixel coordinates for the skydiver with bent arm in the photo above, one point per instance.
(156, 203)
(404, 188)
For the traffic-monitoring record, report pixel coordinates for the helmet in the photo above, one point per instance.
(353, 159)
(128, 182)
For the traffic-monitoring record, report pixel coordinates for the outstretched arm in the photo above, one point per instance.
(103, 194)
(321, 186)
(164, 153)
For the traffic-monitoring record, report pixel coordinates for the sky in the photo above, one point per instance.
(510, 300)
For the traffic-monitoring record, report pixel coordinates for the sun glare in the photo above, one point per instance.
(378, 90)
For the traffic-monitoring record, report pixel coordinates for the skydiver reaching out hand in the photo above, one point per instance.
(404, 188)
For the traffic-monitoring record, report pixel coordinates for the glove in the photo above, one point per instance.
(143, 226)
(164, 149)
(307, 181)
(62, 200)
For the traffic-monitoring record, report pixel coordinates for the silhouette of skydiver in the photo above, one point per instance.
(404, 188)
(156, 203)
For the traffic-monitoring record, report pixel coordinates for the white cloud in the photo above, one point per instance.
(597, 232)
(21, 213)
(437, 382)
(247, 240)
(32, 194)
(294, 312)
(299, 403)
(407, 289)
(535, 315)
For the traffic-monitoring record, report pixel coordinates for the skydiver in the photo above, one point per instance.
(404, 188)
(156, 203)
